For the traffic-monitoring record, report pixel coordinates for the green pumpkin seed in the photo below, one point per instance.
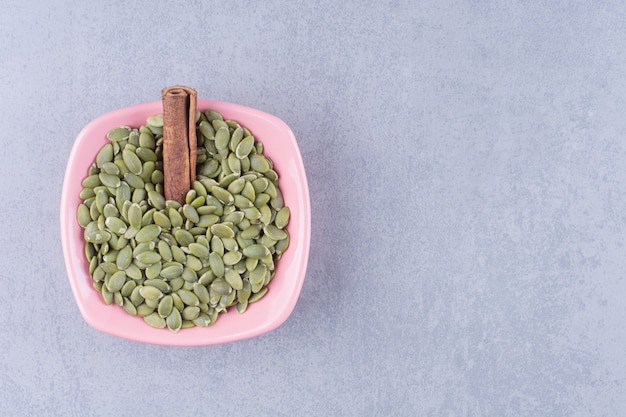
(119, 133)
(109, 180)
(178, 254)
(146, 140)
(175, 218)
(191, 312)
(160, 284)
(128, 288)
(156, 199)
(207, 130)
(115, 225)
(244, 293)
(232, 257)
(222, 137)
(222, 195)
(110, 168)
(83, 216)
(201, 292)
(244, 147)
(233, 278)
(188, 297)
(172, 271)
(153, 319)
(166, 304)
(150, 293)
(156, 120)
(109, 210)
(222, 230)
(190, 213)
(144, 310)
(132, 161)
(147, 170)
(259, 163)
(148, 258)
(221, 287)
(282, 217)
(255, 251)
(174, 321)
(241, 307)
(258, 295)
(116, 282)
(162, 220)
(134, 180)
(217, 264)
(105, 154)
(202, 320)
(242, 202)
(129, 307)
(133, 272)
(135, 296)
(107, 295)
(274, 232)
(124, 258)
(146, 154)
(148, 233)
(199, 250)
(98, 237)
(183, 237)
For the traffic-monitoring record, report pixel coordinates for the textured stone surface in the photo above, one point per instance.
(467, 171)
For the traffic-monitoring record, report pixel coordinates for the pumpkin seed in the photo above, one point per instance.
(153, 319)
(174, 321)
(221, 287)
(148, 233)
(109, 180)
(232, 257)
(160, 284)
(190, 312)
(150, 293)
(188, 297)
(172, 271)
(134, 216)
(222, 195)
(166, 304)
(258, 295)
(116, 282)
(129, 307)
(132, 161)
(274, 232)
(217, 264)
(244, 147)
(83, 216)
(148, 258)
(156, 199)
(105, 154)
(119, 133)
(255, 251)
(115, 225)
(233, 278)
(190, 213)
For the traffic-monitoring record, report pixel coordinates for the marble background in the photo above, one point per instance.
(466, 163)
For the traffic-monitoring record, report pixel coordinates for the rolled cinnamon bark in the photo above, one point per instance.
(179, 141)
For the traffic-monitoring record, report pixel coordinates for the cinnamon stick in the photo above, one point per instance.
(179, 141)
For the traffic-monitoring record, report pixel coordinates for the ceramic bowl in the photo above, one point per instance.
(262, 316)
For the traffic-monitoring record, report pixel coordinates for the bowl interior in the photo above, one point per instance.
(266, 314)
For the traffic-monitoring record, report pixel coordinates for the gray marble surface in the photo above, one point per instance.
(467, 169)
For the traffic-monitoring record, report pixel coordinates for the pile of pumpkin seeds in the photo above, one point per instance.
(180, 266)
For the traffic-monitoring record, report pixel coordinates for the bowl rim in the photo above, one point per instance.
(298, 251)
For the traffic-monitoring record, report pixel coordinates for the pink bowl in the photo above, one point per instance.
(261, 317)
